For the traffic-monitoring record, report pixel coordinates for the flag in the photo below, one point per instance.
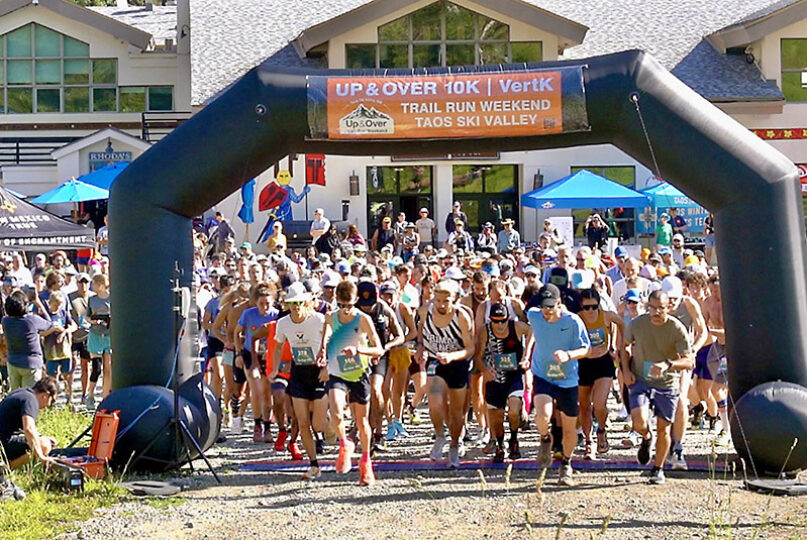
(247, 198)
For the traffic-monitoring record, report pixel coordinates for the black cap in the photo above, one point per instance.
(498, 312)
(368, 294)
(548, 295)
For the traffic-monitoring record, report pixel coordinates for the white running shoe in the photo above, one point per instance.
(461, 448)
(678, 462)
(482, 439)
(454, 457)
(437, 448)
(237, 424)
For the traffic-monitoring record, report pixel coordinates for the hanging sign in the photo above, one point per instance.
(510, 104)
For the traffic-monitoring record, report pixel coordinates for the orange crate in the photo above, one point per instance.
(104, 431)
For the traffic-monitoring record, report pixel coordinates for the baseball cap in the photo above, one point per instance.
(672, 286)
(387, 220)
(246, 245)
(532, 269)
(665, 251)
(296, 292)
(312, 285)
(409, 225)
(488, 225)
(498, 312)
(654, 258)
(10, 280)
(692, 259)
(559, 277)
(633, 295)
(678, 236)
(454, 273)
(388, 287)
(423, 210)
(83, 276)
(343, 267)
(368, 293)
(548, 295)
(359, 247)
(620, 252)
(330, 279)
(319, 211)
(491, 268)
(456, 204)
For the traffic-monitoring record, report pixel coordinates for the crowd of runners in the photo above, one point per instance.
(352, 339)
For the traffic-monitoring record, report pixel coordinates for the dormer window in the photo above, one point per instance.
(794, 69)
(442, 34)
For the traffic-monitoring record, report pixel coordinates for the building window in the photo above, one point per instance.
(620, 220)
(391, 190)
(442, 34)
(794, 69)
(486, 192)
(44, 71)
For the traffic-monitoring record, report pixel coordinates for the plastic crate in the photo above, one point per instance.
(104, 431)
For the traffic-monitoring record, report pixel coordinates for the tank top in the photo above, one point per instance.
(504, 354)
(381, 322)
(435, 339)
(345, 335)
(682, 314)
(401, 323)
(597, 330)
(508, 303)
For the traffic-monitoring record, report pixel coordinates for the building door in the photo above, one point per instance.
(487, 193)
(391, 190)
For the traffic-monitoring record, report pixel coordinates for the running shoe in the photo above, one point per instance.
(461, 449)
(257, 433)
(602, 442)
(392, 431)
(490, 447)
(294, 449)
(697, 416)
(678, 462)
(643, 455)
(379, 445)
(544, 453)
(454, 457)
(622, 415)
(588, 451)
(366, 475)
(437, 448)
(515, 451)
(400, 429)
(90, 402)
(267, 434)
(657, 477)
(414, 417)
(565, 475)
(280, 443)
(312, 473)
(632, 440)
(723, 438)
(237, 424)
(320, 446)
(466, 434)
(227, 418)
(498, 457)
(482, 439)
(712, 421)
(344, 458)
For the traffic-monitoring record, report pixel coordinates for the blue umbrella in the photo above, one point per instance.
(584, 189)
(72, 191)
(104, 176)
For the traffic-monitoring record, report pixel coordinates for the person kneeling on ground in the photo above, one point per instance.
(18, 413)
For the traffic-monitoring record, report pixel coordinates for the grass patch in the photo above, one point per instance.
(164, 502)
(45, 513)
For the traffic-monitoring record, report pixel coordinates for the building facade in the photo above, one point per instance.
(82, 87)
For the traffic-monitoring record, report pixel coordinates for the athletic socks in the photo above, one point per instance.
(723, 413)
(500, 441)
(313, 462)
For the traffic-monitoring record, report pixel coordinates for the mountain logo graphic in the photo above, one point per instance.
(364, 121)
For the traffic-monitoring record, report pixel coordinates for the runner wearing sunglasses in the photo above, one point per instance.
(596, 370)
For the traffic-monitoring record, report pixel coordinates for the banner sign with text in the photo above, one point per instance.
(511, 104)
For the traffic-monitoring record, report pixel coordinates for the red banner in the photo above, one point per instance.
(315, 169)
(783, 134)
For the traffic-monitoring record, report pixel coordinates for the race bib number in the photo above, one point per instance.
(646, 371)
(431, 368)
(554, 371)
(303, 356)
(348, 363)
(597, 337)
(505, 361)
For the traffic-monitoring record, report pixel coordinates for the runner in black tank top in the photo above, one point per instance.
(445, 346)
(502, 363)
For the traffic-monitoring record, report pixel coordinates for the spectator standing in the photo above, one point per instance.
(103, 237)
(596, 231)
(23, 330)
(664, 232)
(452, 218)
(383, 236)
(426, 228)
(508, 238)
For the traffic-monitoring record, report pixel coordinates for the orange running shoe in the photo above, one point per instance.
(344, 458)
(280, 442)
(294, 449)
(366, 475)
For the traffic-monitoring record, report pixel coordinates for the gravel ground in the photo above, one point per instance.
(452, 504)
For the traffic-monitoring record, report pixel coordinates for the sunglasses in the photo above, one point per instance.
(498, 321)
(590, 307)
(343, 305)
(295, 303)
(530, 275)
(632, 301)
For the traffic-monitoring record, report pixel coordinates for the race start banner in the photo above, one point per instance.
(478, 105)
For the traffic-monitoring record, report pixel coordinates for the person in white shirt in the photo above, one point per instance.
(426, 229)
(631, 269)
(319, 225)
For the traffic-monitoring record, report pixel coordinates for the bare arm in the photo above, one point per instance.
(34, 439)
(700, 330)
(395, 330)
(373, 347)
(409, 321)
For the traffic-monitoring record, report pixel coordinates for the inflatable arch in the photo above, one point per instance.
(752, 189)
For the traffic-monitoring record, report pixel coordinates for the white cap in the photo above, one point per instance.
(319, 211)
(672, 286)
(454, 273)
(678, 236)
(330, 279)
(296, 292)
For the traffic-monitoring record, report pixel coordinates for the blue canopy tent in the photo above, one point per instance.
(584, 189)
(664, 196)
(104, 176)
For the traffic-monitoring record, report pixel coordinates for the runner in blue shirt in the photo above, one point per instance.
(560, 339)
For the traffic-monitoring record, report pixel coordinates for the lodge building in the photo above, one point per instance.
(82, 87)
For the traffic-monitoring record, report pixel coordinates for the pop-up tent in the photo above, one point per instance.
(667, 196)
(24, 226)
(584, 189)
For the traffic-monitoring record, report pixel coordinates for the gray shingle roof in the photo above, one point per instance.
(723, 77)
(161, 22)
(229, 37)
